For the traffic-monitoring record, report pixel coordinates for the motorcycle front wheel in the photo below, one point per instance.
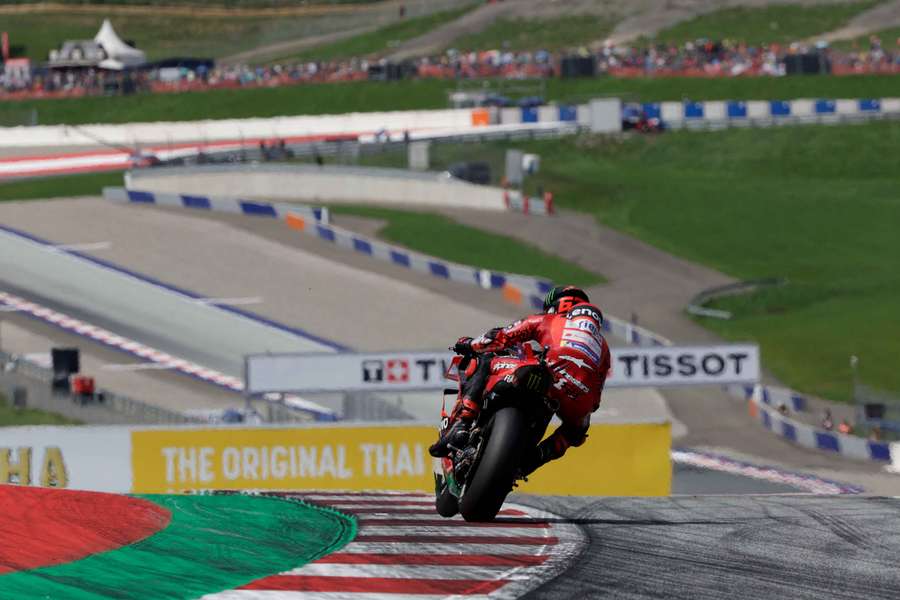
(496, 470)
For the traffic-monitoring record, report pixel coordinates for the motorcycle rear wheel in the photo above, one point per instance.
(496, 471)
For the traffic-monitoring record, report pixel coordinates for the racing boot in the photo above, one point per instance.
(457, 434)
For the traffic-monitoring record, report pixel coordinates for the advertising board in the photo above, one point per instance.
(406, 371)
(84, 458)
(625, 460)
(617, 459)
(349, 458)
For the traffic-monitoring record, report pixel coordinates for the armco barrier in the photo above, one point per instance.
(621, 460)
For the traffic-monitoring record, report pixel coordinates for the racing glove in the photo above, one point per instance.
(463, 346)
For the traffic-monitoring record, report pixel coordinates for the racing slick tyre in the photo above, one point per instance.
(496, 471)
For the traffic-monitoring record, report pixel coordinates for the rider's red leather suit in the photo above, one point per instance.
(579, 360)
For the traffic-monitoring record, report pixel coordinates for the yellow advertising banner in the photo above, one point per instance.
(616, 460)
(174, 460)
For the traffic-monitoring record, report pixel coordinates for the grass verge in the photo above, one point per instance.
(90, 184)
(781, 23)
(537, 34)
(443, 237)
(12, 417)
(381, 40)
(818, 205)
(365, 96)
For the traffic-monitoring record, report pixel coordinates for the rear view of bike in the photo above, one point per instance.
(485, 459)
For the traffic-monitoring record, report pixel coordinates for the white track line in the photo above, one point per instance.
(230, 301)
(400, 571)
(724, 464)
(85, 247)
(450, 529)
(282, 595)
(332, 499)
(436, 548)
(362, 509)
(136, 367)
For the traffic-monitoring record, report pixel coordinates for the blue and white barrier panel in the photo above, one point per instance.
(765, 409)
(738, 112)
(256, 208)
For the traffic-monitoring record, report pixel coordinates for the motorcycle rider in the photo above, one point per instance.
(578, 358)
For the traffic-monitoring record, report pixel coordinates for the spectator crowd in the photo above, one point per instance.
(700, 58)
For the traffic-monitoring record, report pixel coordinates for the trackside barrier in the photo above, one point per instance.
(104, 405)
(317, 183)
(894, 467)
(620, 460)
(255, 208)
(517, 201)
(762, 404)
(256, 129)
(740, 113)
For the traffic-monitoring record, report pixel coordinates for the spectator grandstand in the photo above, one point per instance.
(699, 58)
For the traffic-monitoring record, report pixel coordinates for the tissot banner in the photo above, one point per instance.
(408, 371)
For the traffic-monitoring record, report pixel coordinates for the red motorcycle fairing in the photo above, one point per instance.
(503, 369)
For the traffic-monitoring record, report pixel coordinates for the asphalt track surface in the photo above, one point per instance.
(697, 547)
(294, 286)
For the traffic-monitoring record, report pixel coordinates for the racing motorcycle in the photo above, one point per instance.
(485, 459)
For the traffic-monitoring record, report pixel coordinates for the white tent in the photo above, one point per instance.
(118, 53)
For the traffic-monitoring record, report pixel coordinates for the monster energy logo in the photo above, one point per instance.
(534, 382)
